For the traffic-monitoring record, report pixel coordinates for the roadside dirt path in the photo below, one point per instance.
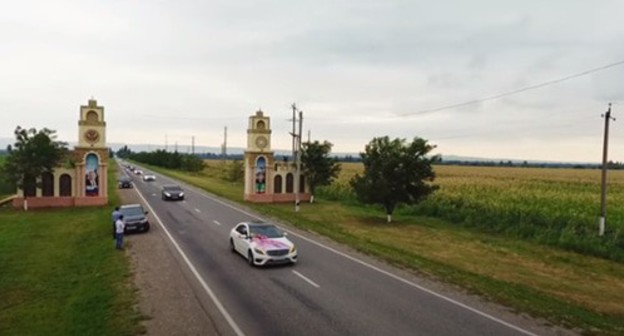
(166, 296)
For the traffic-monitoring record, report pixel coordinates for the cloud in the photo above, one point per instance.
(357, 68)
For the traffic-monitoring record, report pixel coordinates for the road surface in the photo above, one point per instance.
(330, 291)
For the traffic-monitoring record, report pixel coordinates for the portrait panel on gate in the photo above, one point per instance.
(92, 180)
(260, 175)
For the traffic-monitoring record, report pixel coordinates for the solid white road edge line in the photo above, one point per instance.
(306, 279)
(396, 277)
(209, 291)
(216, 222)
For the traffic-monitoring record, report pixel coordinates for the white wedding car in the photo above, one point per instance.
(262, 244)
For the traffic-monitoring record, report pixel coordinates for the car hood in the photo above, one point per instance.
(265, 243)
(132, 219)
(175, 192)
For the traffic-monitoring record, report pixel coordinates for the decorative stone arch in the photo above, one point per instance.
(92, 116)
(290, 185)
(47, 184)
(261, 125)
(277, 184)
(65, 185)
(30, 187)
(301, 183)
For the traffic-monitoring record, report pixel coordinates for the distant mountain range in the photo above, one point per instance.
(4, 142)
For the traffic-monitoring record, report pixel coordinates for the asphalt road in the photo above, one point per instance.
(330, 291)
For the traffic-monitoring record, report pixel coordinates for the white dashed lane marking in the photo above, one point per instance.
(306, 279)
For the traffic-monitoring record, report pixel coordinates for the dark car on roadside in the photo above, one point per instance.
(172, 192)
(125, 182)
(135, 217)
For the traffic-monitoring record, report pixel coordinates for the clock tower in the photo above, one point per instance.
(91, 126)
(268, 180)
(259, 133)
(91, 156)
(259, 159)
(82, 178)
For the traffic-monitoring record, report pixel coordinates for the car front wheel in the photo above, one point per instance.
(250, 258)
(232, 245)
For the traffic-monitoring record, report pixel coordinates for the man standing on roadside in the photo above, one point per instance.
(116, 215)
(119, 232)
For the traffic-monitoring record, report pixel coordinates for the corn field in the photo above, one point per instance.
(553, 206)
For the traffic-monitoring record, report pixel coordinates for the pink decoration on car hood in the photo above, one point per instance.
(270, 243)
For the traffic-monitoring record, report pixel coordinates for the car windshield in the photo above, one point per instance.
(269, 231)
(172, 188)
(132, 211)
(125, 179)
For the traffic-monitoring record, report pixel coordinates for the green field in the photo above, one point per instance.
(563, 287)
(558, 207)
(60, 274)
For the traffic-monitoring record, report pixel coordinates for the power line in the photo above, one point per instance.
(513, 92)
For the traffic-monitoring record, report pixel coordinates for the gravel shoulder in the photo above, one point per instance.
(166, 295)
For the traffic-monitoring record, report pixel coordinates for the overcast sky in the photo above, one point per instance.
(357, 68)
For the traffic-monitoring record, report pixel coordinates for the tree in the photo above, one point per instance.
(124, 152)
(319, 168)
(395, 172)
(235, 171)
(34, 153)
(192, 163)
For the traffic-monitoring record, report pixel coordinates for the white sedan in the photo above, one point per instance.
(149, 177)
(262, 244)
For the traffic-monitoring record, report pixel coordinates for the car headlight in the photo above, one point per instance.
(181, 194)
(259, 251)
(143, 221)
(167, 194)
(293, 249)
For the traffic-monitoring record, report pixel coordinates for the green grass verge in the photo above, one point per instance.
(60, 273)
(363, 228)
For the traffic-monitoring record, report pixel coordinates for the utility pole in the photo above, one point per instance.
(297, 152)
(294, 121)
(166, 142)
(309, 136)
(298, 173)
(193, 145)
(603, 195)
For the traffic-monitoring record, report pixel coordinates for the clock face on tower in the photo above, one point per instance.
(91, 136)
(261, 142)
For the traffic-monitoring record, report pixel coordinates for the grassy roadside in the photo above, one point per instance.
(60, 274)
(562, 287)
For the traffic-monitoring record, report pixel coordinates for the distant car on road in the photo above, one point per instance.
(135, 217)
(172, 192)
(262, 244)
(138, 171)
(125, 182)
(149, 177)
